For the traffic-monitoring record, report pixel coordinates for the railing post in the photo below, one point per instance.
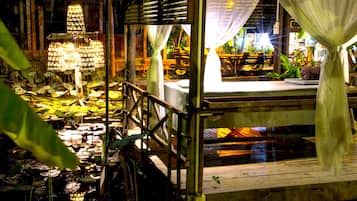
(169, 153)
(195, 121)
(178, 156)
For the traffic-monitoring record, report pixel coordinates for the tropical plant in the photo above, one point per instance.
(290, 70)
(20, 122)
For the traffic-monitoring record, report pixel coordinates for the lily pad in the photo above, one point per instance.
(95, 84)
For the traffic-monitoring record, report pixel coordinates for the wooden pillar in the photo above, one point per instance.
(131, 64)
(131, 52)
(22, 24)
(28, 25)
(41, 35)
(195, 122)
(285, 32)
(100, 10)
(281, 41)
(277, 41)
(104, 185)
(111, 37)
(33, 27)
(145, 67)
(145, 43)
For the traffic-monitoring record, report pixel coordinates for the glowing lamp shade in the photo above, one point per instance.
(64, 56)
(76, 48)
(75, 19)
(97, 53)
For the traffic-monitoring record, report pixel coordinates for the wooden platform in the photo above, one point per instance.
(299, 179)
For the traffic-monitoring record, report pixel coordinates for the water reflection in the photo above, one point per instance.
(258, 152)
(256, 145)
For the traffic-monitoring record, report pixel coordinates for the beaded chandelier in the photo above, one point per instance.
(76, 47)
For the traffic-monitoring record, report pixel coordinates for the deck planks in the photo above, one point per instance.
(297, 179)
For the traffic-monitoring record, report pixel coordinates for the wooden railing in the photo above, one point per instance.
(156, 117)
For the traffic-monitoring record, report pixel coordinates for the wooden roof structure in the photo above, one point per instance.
(180, 12)
(159, 12)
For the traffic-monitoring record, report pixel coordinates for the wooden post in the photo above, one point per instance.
(278, 40)
(104, 184)
(131, 64)
(100, 10)
(28, 25)
(111, 37)
(145, 58)
(145, 43)
(22, 24)
(41, 30)
(131, 52)
(195, 124)
(285, 32)
(281, 43)
(33, 27)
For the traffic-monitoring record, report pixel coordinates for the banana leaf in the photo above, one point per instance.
(20, 122)
(10, 51)
(29, 131)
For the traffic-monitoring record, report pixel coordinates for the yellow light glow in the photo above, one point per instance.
(230, 4)
(77, 196)
(75, 19)
(87, 53)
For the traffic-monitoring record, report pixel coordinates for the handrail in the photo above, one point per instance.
(151, 121)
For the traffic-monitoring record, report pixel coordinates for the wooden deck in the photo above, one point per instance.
(298, 179)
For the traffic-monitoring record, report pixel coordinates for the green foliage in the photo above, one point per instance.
(273, 75)
(301, 34)
(20, 122)
(9, 50)
(299, 59)
(290, 70)
(29, 131)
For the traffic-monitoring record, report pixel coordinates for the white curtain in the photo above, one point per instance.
(224, 19)
(158, 36)
(345, 57)
(332, 23)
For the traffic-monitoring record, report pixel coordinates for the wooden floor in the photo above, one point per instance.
(288, 180)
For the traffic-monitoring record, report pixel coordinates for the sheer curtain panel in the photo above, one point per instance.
(224, 19)
(345, 57)
(158, 36)
(332, 23)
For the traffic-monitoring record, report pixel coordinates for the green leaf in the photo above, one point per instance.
(94, 84)
(10, 52)
(273, 75)
(29, 131)
(285, 64)
(301, 34)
